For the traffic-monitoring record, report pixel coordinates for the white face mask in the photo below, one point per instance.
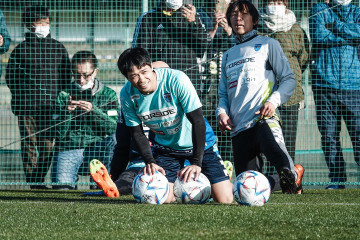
(342, 2)
(42, 31)
(88, 85)
(174, 4)
(277, 10)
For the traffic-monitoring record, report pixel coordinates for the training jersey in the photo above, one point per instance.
(250, 73)
(163, 111)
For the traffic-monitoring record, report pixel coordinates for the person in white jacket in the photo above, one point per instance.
(256, 78)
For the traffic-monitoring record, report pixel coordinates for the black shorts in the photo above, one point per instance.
(172, 161)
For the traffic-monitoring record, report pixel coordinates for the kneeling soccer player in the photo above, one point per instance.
(165, 100)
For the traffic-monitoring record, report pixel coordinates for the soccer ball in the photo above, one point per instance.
(194, 191)
(150, 189)
(251, 188)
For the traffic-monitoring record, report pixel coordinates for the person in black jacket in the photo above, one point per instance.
(38, 69)
(173, 33)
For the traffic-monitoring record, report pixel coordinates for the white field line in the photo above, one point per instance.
(269, 203)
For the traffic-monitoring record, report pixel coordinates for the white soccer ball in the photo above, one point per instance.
(194, 191)
(150, 189)
(251, 188)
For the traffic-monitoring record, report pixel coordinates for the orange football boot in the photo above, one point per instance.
(100, 175)
(300, 173)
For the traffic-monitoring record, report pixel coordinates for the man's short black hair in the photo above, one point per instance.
(83, 57)
(133, 57)
(243, 5)
(33, 13)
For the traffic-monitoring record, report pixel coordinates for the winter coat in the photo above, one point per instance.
(77, 132)
(335, 36)
(295, 45)
(173, 40)
(38, 69)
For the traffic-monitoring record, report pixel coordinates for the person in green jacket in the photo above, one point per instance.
(86, 118)
(279, 22)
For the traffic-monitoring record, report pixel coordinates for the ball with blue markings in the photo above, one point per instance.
(151, 189)
(251, 188)
(195, 191)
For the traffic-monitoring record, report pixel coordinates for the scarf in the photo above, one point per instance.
(273, 23)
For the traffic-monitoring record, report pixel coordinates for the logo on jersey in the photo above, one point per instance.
(174, 130)
(134, 98)
(158, 114)
(167, 97)
(241, 61)
(257, 47)
(158, 132)
(171, 122)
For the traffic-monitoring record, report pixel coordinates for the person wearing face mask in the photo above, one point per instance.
(87, 114)
(335, 34)
(279, 22)
(174, 32)
(38, 69)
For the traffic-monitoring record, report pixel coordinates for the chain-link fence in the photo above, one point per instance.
(41, 139)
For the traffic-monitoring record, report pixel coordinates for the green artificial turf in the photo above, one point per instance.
(317, 214)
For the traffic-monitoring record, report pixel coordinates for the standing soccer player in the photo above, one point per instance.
(165, 100)
(249, 96)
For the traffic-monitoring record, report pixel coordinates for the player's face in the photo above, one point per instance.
(84, 73)
(241, 22)
(143, 78)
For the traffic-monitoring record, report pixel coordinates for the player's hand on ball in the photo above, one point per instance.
(267, 110)
(224, 123)
(186, 173)
(151, 168)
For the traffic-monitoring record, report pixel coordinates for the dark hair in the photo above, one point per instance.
(267, 1)
(133, 57)
(83, 57)
(33, 13)
(243, 6)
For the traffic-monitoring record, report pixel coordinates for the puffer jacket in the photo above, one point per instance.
(335, 35)
(295, 45)
(76, 132)
(38, 69)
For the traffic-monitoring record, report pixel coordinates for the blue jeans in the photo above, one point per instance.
(331, 106)
(68, 165)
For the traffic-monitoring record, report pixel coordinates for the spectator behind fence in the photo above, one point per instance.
(335, 68)
(221, 40)
(4, 38)
(249, 95)
(173, 33)
(87, 113)
(38, 69)
(279, 22)
(169, 92)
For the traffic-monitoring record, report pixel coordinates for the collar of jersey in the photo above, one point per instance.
(246, 37)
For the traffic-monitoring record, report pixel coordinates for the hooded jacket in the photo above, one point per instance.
(38, 69)
(335, 35)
